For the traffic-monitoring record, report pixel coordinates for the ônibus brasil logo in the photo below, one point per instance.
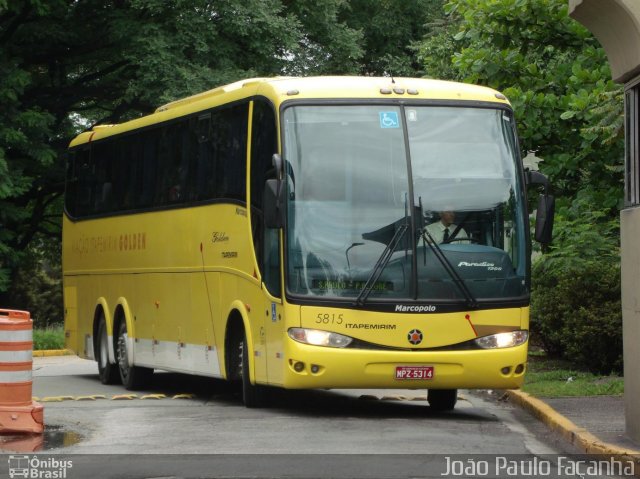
(38, 467)
(415, 336)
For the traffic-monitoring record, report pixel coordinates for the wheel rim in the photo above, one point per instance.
(104, 344)
(240, 371)
(123, 361)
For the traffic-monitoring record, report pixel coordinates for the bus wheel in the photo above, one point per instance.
(253, 395)
(108, 372)
(442, 399)
(133, 377)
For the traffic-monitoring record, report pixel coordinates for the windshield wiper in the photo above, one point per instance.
(472, 302)
(382, 262)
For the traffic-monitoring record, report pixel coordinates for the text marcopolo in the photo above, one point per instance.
(424, 308)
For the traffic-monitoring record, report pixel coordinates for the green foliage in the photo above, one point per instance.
(584, 232)
(576, 313)
(326, 43)
(570, 113)
(557, 78)
(390, 28)
(48, 338)
(576, 308)
(67, 65)
(37, 285)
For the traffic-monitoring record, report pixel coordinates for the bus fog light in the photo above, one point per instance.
(519, 369)
(503, 340)
(506, 370)
(298, 366)
(315, 368)
(317, 337)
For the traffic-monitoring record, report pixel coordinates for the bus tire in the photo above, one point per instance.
(133, 377)
(253, 395)
(442, 399)
(108, 372)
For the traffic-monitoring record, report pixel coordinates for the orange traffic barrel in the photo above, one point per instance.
(18, 413)
(21, 443)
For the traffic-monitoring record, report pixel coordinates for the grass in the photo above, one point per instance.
(556, 378)
(48, 338)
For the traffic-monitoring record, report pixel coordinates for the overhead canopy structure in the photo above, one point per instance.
(616, 25)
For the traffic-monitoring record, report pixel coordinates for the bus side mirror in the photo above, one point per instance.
(544, 218)
(546, 207)
(272, 204)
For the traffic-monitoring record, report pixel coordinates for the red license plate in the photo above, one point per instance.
(414, 372)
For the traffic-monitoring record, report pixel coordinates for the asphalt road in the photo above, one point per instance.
(196, 427)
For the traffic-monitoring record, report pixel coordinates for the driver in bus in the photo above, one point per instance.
(446, 231)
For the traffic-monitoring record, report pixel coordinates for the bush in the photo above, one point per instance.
(49, 338)
(576, 313)
(576, 310)
(37, 286)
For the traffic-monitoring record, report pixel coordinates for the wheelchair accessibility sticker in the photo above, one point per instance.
(389, 119)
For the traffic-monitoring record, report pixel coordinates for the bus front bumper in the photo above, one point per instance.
(308, 367)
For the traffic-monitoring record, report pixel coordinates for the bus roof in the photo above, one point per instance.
(280, 89)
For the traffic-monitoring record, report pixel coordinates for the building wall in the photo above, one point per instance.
(616, 24)
(630, 232)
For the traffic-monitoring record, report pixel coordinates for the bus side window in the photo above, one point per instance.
(265, 241)
(131, 171)
(203, 129)
(228, 140)
(166, 190)
(102, 154)
(202, 177)
(181, 164)
(271, 263)
(147, 169)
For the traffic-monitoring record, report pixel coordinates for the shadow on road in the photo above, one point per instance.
(316, 403)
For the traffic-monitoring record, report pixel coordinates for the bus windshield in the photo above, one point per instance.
(403, 202)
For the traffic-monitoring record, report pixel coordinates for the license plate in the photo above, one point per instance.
(414, 372)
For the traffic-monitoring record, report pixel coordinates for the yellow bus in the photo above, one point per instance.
(290, 232)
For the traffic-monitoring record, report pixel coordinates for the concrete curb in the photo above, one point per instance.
(575, 435)
(52, 352)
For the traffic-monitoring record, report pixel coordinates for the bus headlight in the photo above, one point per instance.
(317, 337)
(503, 340)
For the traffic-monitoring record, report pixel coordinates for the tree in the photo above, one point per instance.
(66, 65)
(390, 30)
(557, 78)
(570, 113)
